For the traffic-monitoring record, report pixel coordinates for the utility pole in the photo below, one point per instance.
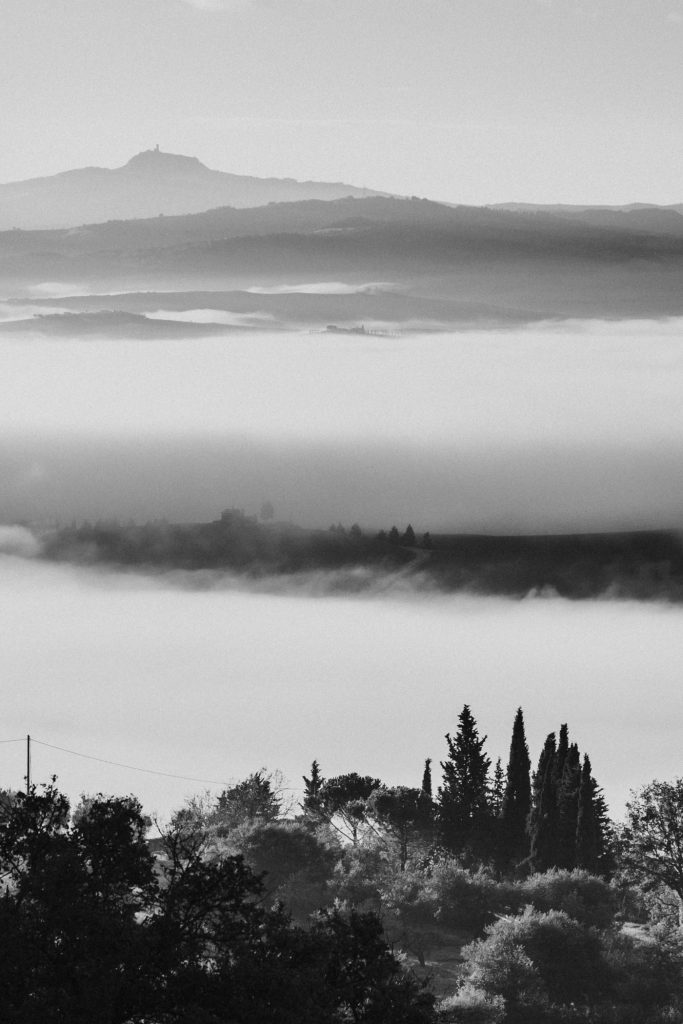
(28, 764)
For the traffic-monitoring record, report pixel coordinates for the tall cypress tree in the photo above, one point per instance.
(560, 756)
(464, 796)
(543, 817)
(427, 778)
(517, 796)
(567, 809)
(588, 845)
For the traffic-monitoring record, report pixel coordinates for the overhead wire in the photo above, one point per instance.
(131, 767)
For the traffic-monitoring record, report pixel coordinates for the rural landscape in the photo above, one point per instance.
(341, 512)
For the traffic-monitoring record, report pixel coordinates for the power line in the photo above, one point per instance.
(22, 739)
(129, 767)
(135, 768)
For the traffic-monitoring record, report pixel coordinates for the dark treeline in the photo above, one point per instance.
(641, 565)
(500, 896)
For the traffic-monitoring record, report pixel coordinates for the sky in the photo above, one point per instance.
(472, 101)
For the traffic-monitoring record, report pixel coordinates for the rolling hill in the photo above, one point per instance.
(151, 184)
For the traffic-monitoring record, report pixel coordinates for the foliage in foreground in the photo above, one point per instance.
(95, 930)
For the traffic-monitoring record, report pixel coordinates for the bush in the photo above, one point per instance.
(464, 899)
(536, 957)
(471, 1006)
(586, 898)
(645, 975)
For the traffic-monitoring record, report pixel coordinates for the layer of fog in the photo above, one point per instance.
(212, 316)
(555, 427)
(571, 383)
(214, 684)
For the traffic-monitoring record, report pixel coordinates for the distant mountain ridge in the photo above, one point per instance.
(151, 184)
(522, 263)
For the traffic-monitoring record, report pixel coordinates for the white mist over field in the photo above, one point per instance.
(560, 426)
(215, 684)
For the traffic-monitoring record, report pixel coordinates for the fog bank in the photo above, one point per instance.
(215, 683)
(558, 427)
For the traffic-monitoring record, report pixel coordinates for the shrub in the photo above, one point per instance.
(535, 956)
(464, 899)
(584, 897)
(471, 1006)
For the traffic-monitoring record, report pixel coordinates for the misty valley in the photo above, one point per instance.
(290, 474)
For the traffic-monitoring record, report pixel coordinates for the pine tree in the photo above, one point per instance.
(408, 537)
(517, 797)
(567, 809)
(464, 796)
(427, 778)
(543, 816)
(311, 802)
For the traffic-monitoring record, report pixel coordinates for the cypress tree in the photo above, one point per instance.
(561, 756)
(427, 778)
(588, 844)
(543, 817)
(464, 795)
(567, 809)
(517, 796)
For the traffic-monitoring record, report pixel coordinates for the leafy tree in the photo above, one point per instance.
(343, 803)
(409, 910)
(294, 865)
(251, 801)
(355, 532)
(652, 841)
(517, 796)
(464, 796)
(70, 941)
(92, 929)
(402, 813)
(368, 981)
